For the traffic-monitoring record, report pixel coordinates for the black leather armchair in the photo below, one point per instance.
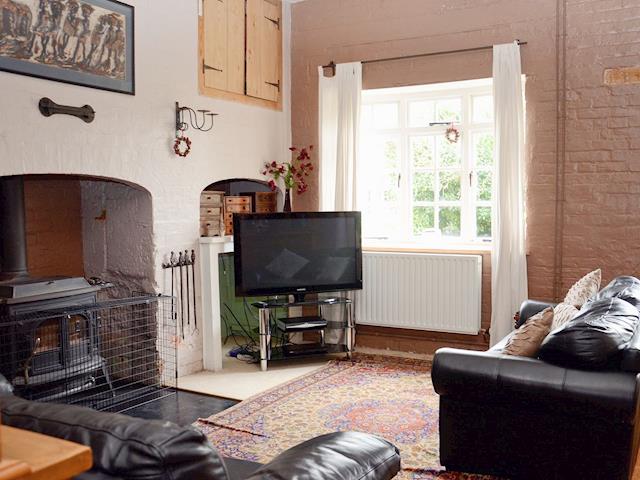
(125, 448)
(520, 417)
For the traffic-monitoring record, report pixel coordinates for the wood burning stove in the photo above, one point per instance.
(52, 348)
(40, 346)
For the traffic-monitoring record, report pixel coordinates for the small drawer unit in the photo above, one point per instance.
(211, 214)
(263, 202)
(235, 204)
(211, 198)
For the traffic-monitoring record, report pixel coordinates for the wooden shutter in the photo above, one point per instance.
(223, 58)
(264, 49)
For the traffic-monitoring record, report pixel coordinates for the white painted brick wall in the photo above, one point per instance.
(131, 137)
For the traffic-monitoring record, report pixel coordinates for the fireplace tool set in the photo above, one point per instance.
(183, 282)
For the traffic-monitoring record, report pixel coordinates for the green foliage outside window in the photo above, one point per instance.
(421, 152)
(448, 110)
(423, 219)
(450, 187)
(484, 185)
(483, 222)
(449, 153)
(391, 188)
(390, 154)
(484, 150)
(423, 190)
(449, 218)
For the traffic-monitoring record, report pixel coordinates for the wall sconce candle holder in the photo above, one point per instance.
(188, 117)
(187, 113)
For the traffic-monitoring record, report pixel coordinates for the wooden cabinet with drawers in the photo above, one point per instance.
(235, 204)
(211, 214)
(263, 202)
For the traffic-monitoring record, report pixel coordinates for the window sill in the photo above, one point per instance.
(458, 248)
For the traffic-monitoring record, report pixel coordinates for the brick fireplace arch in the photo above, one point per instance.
(87, 226)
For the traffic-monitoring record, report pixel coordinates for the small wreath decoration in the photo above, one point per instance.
(182, 146)
(452, 134)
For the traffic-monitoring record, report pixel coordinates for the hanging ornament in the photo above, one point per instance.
(182, 145)
(452, 134)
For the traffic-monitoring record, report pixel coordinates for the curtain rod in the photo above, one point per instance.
(332, 64)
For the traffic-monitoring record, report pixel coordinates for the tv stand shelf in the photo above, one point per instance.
(268, 317)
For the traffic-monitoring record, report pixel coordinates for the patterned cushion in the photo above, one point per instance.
(562, 313)
(526, 340)
(584, 289)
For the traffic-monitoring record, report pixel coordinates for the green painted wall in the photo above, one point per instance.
(230, 305)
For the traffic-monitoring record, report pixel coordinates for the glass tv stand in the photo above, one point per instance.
(273, 327)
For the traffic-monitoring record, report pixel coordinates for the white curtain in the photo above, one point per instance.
(339, 118)
(508, 259)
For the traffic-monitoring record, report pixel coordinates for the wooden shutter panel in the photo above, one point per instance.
(264, 44)
(235, 45)
(223, 60)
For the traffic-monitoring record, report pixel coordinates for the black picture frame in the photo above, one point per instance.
(38, 36)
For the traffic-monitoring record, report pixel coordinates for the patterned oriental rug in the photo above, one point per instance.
(386, 396)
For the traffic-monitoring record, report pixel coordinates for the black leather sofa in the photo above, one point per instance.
(129, 448)
(524, 418)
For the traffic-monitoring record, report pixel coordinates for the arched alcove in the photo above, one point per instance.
(86, 226)
(237, 186)
(221, 199)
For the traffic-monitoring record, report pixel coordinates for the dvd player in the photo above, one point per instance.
(293, 324)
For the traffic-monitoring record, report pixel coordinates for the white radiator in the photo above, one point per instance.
(421, 291)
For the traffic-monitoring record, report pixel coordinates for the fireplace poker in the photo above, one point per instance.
(193, 277)
(187, 262)
(180, 265)
(172, 265)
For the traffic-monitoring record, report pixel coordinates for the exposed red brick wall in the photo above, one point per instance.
(593, 169)
(54, 226)
(602, 161)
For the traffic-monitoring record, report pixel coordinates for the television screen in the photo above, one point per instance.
(295, 253)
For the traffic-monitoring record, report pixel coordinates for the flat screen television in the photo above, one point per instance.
(297, 253)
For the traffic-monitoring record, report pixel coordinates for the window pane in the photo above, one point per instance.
(422, 152)
(385, 115)
(381, 222)
(450, 186)
(449, 218)
(390, 154)
(422, 220)
(449, 154)
(483, 149)
(390, 193)
(448, 110)
(483, 109)
(366, 117)
(423, 190)
(485, 185)
(420, 113)
(379, 153)
(483, 222)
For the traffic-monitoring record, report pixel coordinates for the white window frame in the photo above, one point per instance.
(403, 96)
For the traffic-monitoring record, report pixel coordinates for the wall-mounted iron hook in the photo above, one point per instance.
(48, 107)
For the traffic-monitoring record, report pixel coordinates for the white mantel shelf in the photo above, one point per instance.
(223, 239)
(210, 248)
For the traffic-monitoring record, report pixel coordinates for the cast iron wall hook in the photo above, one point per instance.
(48, 107)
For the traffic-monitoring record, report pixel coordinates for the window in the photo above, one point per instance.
(416, 186)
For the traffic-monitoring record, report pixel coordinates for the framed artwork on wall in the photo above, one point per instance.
(83, 42)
